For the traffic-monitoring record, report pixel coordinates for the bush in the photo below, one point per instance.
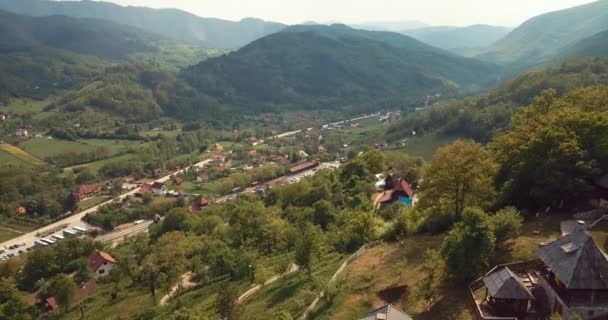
(506, 223)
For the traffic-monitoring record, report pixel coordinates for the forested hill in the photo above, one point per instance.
(594, 46)
(542, 37)
(37, 72)
(481, 116)
(322, 66)
(457, 39)
(100, 38)
(173, 23)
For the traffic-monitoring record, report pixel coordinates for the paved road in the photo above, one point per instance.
(75, 220)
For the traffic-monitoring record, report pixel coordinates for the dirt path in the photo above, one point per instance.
(12, 230)
(185, 283)
(291, 269)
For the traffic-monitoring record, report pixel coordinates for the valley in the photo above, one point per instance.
(194, 163)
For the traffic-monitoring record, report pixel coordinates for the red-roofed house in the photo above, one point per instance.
(202, 178)
(402, 192)
(305, 166)
(158, 172)
(21, 211)
(199, 204)
(86, 191)
(51, 304)
(219, 159)
(177, 181)
(100, 263)
(145, 188)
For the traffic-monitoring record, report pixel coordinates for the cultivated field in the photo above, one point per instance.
(21, 155)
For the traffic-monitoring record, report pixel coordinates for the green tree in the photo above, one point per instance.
(431, 265)
(506, 223)
(63, 288)
(307, 248)
(468, 246)
(226, 304)
(8, 288)
(460, 174)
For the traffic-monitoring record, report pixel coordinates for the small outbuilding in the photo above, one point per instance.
(507, 293)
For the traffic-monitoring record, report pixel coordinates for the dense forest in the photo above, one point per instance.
(335, 66)
(480, 116)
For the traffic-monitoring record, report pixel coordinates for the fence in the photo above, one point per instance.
(348, 260)
(517, 267)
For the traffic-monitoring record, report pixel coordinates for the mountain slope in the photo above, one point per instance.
(321, 66)
(176, 24)
(87, 36)
(541, 38)
(37, 72)
(480, 116)
(594, 46)
(458, 38)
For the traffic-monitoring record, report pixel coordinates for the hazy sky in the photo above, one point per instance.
(435, 12)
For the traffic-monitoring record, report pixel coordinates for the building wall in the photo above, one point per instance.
(586, 313)
(103, 270)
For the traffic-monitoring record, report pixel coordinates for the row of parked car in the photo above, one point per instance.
(41, 242)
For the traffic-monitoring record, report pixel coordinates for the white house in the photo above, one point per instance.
(100, 263)
(159, 189)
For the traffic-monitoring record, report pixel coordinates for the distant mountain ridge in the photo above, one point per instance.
(175, 24)
(540, 39)
(99, 38)
(457, 39)
(314, 66)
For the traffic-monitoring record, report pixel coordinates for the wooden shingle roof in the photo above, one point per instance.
(387, 312)
(504, 284)
(577, 261)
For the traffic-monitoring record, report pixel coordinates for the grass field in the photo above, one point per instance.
(293, 293)
(20, 106)
(21, 154)
(425, 146)
(44, 148)
(95, 166)
(8, 159)
(11, 228)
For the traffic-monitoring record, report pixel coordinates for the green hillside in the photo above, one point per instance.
(86, 36)
(176, 24)
(37, 72)
(322, 66)
(459, 39)
(594, 46)
(479, 117)
(542, 37)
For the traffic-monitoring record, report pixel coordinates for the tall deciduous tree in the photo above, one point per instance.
(460, 174)
(62, 287)
(226, 304)
(468, 246)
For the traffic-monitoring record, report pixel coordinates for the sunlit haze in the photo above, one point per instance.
(434, 12)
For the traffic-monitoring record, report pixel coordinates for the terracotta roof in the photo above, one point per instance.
(386, 196)
(202, 201)
(52, 303)
(304, 166)
(145, 188)
(178, 180)
(97, 258)
(86, 189)
(405, 187)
